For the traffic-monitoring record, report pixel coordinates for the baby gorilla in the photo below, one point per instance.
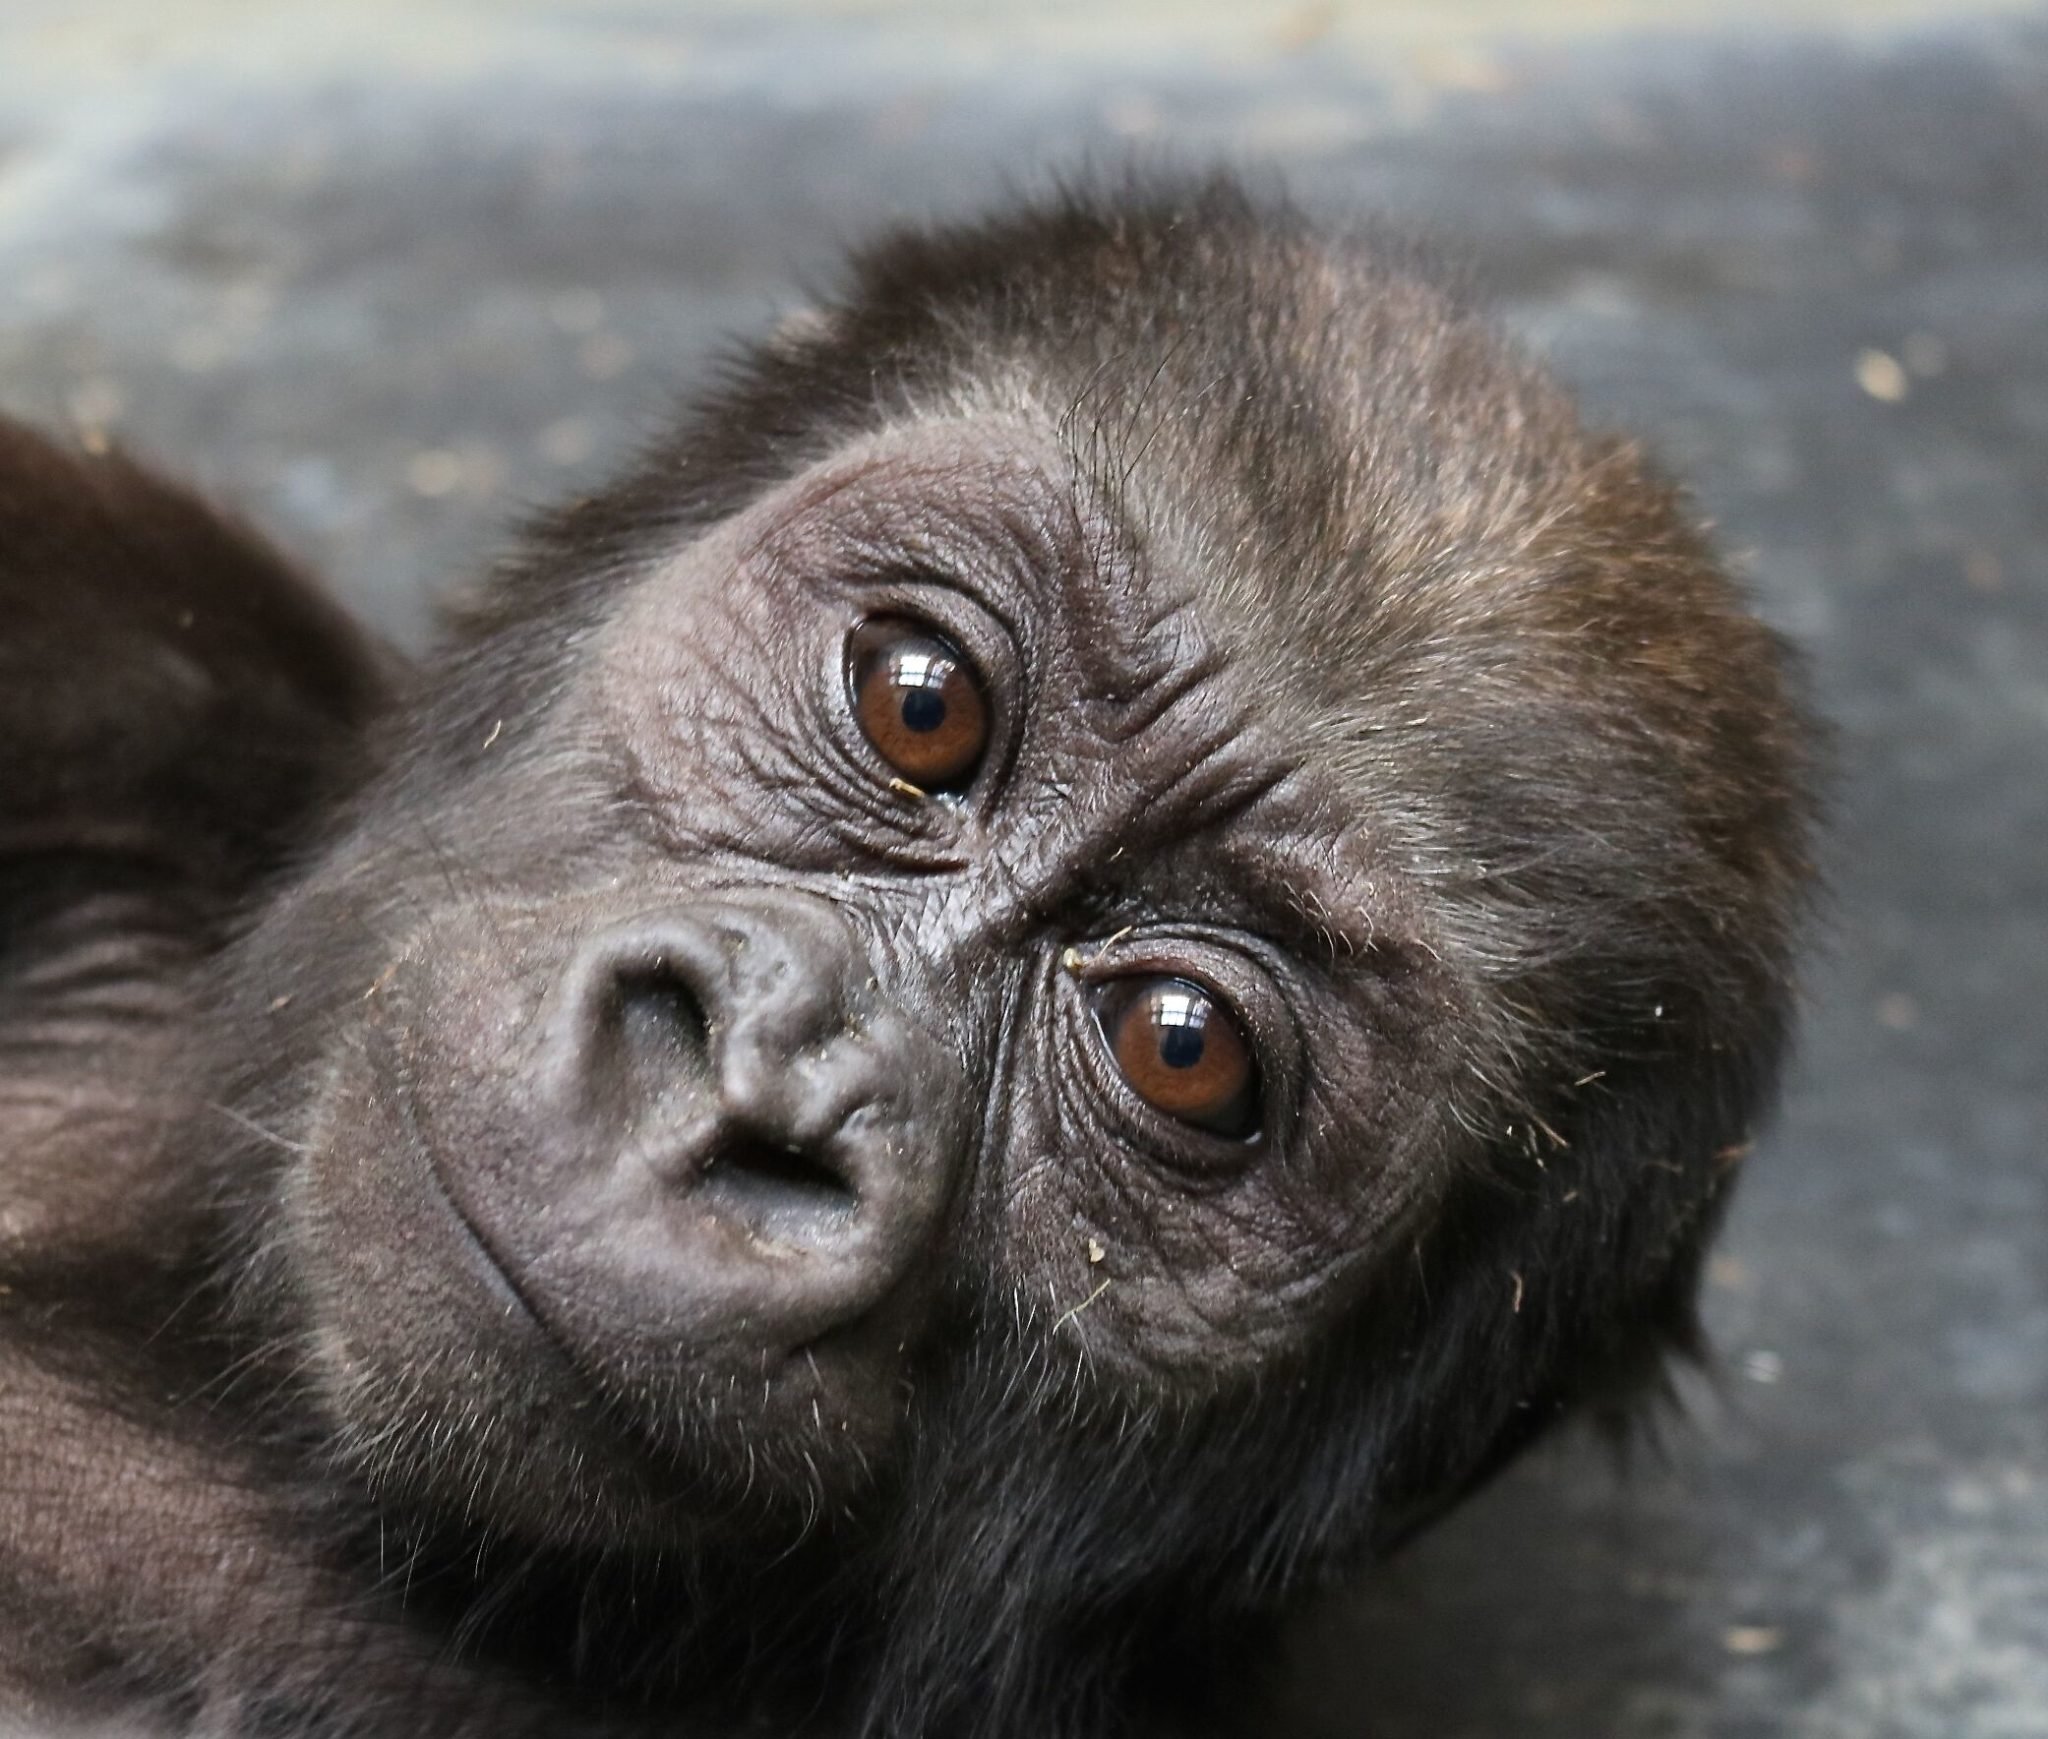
(1068, 965)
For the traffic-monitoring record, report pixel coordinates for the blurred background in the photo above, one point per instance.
(387, 275)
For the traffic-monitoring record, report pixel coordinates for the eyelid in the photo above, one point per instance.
(1234, 975)
(952, 610)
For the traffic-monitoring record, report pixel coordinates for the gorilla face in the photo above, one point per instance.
(895, 935)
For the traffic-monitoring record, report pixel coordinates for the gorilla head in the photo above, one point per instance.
(1067, 965)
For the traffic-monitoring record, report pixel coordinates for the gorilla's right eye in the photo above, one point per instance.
(918, 701)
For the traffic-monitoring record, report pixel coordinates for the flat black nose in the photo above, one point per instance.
(733, 1052)
(802, 1128)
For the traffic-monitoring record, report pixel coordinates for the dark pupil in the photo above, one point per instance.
(1180, 1047)
(924, 709)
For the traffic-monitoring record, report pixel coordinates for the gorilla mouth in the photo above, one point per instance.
(773, 1197)
(768, 1186)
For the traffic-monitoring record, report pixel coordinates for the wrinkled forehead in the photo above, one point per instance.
(988, 494)
(1111, 590)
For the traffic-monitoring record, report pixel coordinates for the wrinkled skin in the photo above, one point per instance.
(560, 1190)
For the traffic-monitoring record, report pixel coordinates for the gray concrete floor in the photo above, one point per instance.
(386, 273)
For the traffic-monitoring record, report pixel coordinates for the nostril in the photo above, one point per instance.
(781, 1192)
(625, 1048)
(660, 1020)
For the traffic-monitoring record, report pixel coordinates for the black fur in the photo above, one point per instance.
(1334, 653)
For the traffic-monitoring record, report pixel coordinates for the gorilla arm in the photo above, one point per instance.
(175, 704)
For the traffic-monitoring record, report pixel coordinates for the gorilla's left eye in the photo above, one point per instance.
(918, 701)
(1182, 1051)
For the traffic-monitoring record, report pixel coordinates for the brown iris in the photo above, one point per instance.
(1182, 1052)
(918, 701)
